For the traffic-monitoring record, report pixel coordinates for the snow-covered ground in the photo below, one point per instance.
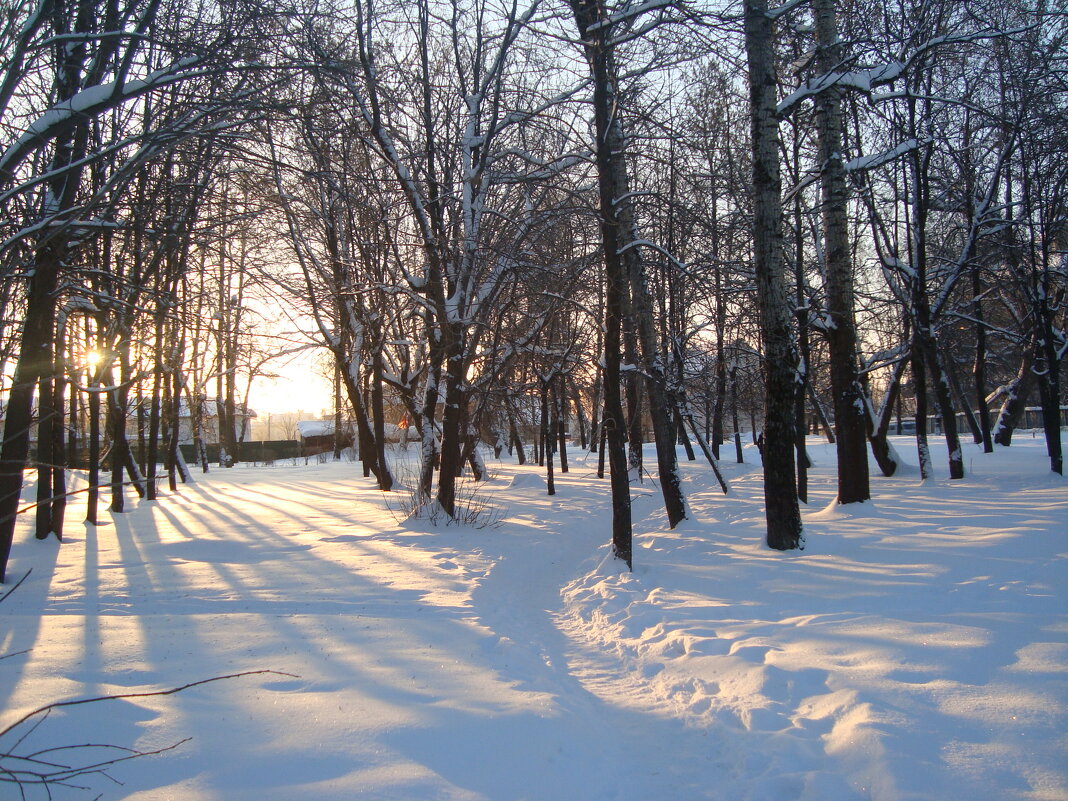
(916, 649)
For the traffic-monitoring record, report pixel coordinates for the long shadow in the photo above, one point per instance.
(21, 614)
(351, 634)
(574, 742)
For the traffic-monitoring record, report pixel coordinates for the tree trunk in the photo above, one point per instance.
(919, 388)
(780, 495)
(366, 437)
(59, 451)
(560, 413)
(1016, 395)
(879, 425)
(946, 359)
(35, 360)
(451, 419)
(589, 14)
(979, 365)
(621, 251)
(94, 448)
(849, 407)
(547, 421)
(378, 413)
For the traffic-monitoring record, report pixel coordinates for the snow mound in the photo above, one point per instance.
(525, 480)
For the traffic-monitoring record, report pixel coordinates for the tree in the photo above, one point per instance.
(780, 496)
(71, 67)
(850, 407)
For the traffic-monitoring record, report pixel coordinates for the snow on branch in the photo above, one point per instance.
(874, 160)
(90, 102)
(631, 12)
(781, 11)
(867, 79)
(862, 80)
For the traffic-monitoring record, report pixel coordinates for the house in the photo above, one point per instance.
(209, 420)
(317, 436)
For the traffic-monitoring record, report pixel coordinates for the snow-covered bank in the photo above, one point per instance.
(917, 649)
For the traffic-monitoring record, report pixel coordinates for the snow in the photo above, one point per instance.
(879, 159)
(916, 650)
(91, 100)
(315, 428)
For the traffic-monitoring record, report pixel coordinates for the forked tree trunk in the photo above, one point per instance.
(879, 424)
(1016, 394)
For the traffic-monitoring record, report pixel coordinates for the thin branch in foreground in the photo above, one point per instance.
(38, 768)
(17, 585)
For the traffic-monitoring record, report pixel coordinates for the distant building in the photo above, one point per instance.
(209, 421)
(317, 436)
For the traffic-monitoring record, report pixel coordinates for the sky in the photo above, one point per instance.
(299, 385)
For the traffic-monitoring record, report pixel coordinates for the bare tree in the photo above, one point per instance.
(780, 496)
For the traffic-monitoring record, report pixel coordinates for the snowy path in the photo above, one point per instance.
(426, 669)
(915, 651)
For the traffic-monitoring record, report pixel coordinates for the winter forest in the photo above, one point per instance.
(682, 260)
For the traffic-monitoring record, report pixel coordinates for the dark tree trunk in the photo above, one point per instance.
(601, 451)
(879, 425)
(849, 407)
(621, 250)
(1049, 393)
(517, 441)
(596, 40)
(35, 360)
(547, 438)
(919, 388)
(337, 411)
(821, 413)
(580, 415)
(780, 495)
(378, 412)
(595, 409)
(451, 419)
(1016, 395)
(152, 457)
(979, 366)
(946, 358)
(634, 396)
(59, 451)
(947, 412)
(738, 453)
(364, 434)
(924, 343)
(560, 414)
(94, 449)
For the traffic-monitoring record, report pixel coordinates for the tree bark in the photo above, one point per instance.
(849, 407)
(35, 360)
(780, 495)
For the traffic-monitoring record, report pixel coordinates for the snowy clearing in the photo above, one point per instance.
(916, 649)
